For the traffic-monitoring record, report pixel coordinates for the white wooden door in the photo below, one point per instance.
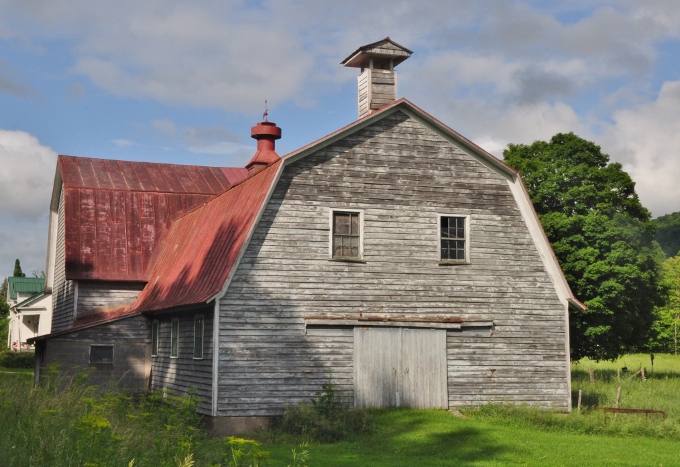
(402, 367)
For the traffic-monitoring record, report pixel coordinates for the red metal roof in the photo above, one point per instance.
(199, 251)
(116, 211)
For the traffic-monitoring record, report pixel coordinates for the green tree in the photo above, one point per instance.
(668, 316)
(602, 237)
(668, 233)
(4, 306)
(17, 269)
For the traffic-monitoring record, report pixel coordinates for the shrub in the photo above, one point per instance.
(325, 419)
(10, 359)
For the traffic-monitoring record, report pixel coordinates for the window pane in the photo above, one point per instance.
(337, 244)
(355, 224)
(460, 250)
(444, 227)
(341, 223)
(354, 247)
(101, 354)
(452, 231)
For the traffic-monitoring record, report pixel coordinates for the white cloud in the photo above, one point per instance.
(646, 140)
(164, 126)
(26, 174)
(124, 143)
(26, 178)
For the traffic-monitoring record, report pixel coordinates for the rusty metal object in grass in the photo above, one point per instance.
(616, 410)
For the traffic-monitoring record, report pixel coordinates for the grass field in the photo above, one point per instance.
(414, 438)
(47, 427)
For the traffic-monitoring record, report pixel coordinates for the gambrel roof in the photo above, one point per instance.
(116, 211)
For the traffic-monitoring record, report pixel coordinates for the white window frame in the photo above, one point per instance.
(467, 239)
(331, 215)
(155, 325)
(200, 335)
(174, 338)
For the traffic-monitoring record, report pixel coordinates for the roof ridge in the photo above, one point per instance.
(222, 193)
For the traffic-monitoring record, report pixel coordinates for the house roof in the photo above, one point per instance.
(385, 48)
(116, 211)
(86, 172)
(202, 247)
(30, 285)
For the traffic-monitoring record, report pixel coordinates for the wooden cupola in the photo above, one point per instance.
(378, 79)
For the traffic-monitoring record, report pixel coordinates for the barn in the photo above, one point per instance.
(393, 257)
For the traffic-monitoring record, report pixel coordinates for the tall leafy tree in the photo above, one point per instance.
(602, 237)
(4, 306)
(667, 325)
(668, 233)
(17, 269)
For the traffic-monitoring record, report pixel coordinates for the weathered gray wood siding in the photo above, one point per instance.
(96, 296)
(130, 337)
(63, 290)
(377, 88)
(364, 91)
(402, 175)
(184, 373)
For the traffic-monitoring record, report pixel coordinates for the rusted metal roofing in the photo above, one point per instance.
(85, 172)
(116, 211)
(201, 248)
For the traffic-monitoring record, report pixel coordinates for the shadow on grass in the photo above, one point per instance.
(413, 435)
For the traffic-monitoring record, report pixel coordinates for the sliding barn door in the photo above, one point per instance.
(402, 367)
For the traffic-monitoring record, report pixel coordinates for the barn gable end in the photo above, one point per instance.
(401, 176)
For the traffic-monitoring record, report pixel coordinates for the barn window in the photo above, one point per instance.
(346, 241)
(101, 355)
(454, 245)
(198, 336)
(154, 338)
(174, 337)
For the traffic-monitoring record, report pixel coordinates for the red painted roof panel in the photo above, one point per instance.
(199, 251)
(116, 211)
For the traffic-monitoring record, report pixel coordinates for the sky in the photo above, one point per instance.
(183, 82)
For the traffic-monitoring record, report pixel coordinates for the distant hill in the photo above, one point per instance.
(668, 233)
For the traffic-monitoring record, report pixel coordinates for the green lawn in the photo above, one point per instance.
(428, 437)
(76, 427)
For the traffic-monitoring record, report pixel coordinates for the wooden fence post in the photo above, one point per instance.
(580, 393)
(618, 397)
(592, 376)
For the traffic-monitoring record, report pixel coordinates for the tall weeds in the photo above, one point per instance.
(66, 423)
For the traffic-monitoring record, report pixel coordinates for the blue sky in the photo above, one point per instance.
(183, 82)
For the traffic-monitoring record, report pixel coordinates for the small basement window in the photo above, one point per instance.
(198, 336)
(454, 245)
(174, 337)
(346, 235)
(154, 338)
(101, 355)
